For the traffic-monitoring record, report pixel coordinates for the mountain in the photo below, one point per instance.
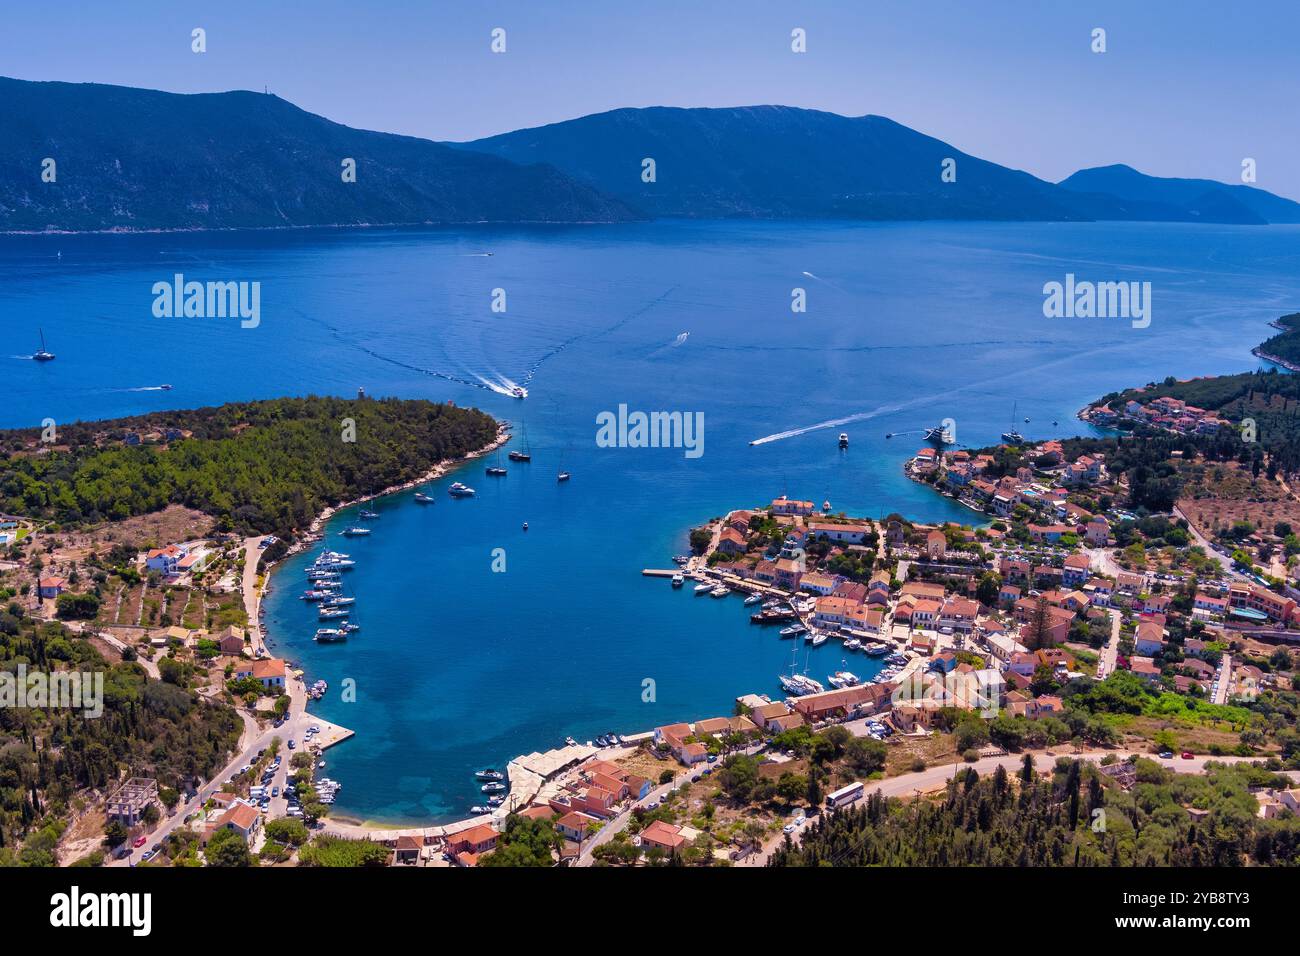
(140, 159)
(774, 162)
(1197, 199)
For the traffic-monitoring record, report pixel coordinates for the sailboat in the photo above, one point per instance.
(495, 470)
(563, 475)
(1012, 436)
(42, 355)
(524, 454)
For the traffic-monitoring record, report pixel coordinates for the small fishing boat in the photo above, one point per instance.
(347, 627)
(826, 506)
(570, 742)
(525, 525)
(844, 439)
(562, 476)
(496, 801)
(422, 499)
(681, 559)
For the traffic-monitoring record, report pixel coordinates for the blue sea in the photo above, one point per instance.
(458, 666)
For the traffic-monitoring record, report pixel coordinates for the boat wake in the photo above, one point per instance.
(503, 386)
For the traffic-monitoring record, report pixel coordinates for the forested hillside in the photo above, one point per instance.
(254, 466)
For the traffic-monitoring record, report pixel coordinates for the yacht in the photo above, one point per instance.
(370, 514)
(493, 787)
(331, 614)
(41, 355)
(478, 810)
(356, 532)
(339, 601)
(496, 471)
(460, 490)
(794, 630)
(489, 774)
(844, 439)
(843, 679)
(330, 634)
(853, 644)
(704, 588)
(519, 456)
(422, 499)
(819, 640)
(1011, 436)
(720, 591)
(753, 599)
(519, 392)
(315, 595)
(347, 627)
(165, 388)
(877, 650)
(939, 434)
(679, 579)
(681, 559)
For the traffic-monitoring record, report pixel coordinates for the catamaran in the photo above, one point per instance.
(1011, 435)
(41, 355)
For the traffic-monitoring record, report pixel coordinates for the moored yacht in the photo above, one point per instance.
(753, 599)
(489, 774)
(704, 588)
(355, 532)
(330, 634)
(460, 490)
(720, 591)
(422, 499)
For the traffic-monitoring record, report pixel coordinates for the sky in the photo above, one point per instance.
(1185, 88)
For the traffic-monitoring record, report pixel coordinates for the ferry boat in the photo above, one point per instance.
(939, 434)
(330, 634)
(357, 532)
(844, 439)
(493, 787)
(720, 591)
(422, 499)
(460, 490)
(703, 588)
(41, 355)
(679, 579)
(370, 514)
(489, 774)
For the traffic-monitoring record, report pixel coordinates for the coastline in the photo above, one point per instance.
(1259, 353)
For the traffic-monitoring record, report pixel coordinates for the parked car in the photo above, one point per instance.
(292, 745)
(139, 842)
(1166, 755)
(1188, 755)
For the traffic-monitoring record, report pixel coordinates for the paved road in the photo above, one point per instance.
(1222, 680)
(1225, 561)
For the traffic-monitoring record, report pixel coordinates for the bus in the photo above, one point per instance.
(844, 795)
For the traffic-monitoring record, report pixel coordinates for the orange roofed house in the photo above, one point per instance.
(467, 846)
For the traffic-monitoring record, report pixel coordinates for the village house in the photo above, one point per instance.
(51, 587)
(1145, 668)
(165, 560)
(467, 846)
(269, 671)
(1150, 639)
(664, 836)
(1077, 570)
(788, 506)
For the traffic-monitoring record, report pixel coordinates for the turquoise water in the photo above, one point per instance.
(459, 667)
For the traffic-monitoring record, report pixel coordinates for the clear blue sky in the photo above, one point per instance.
(1186, 88)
